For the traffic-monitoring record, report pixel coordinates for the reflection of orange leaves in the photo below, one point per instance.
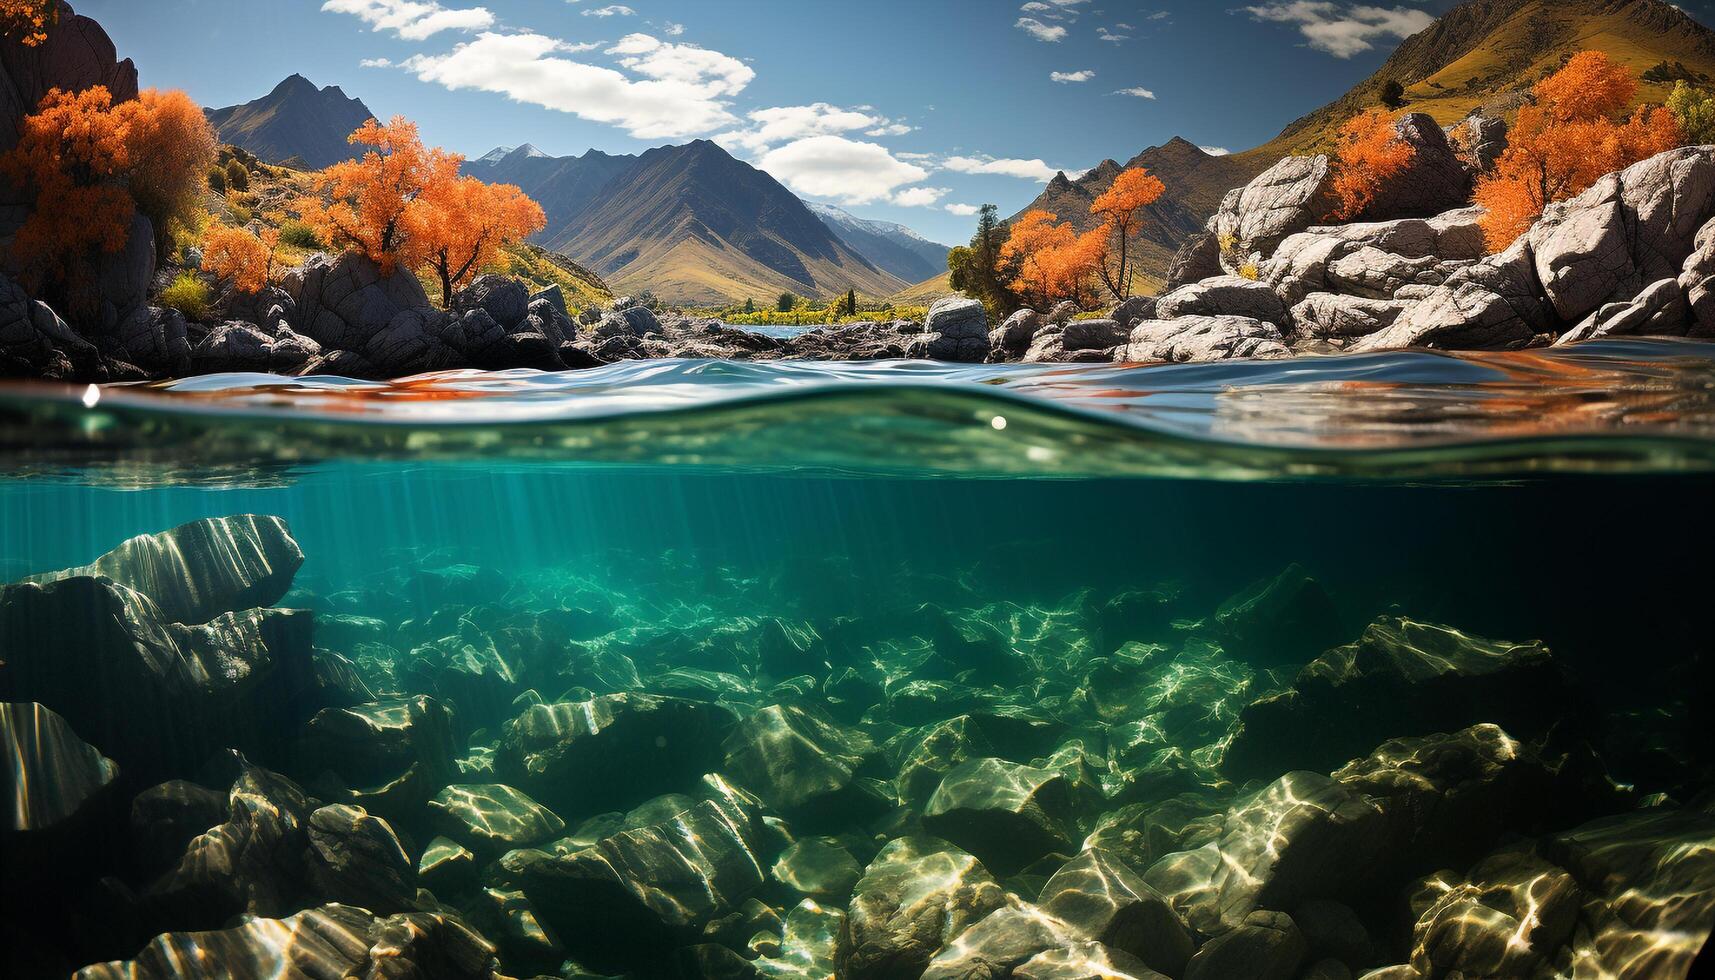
(1566, 140)
(244, 257)
(28, 20)
(1370, 153)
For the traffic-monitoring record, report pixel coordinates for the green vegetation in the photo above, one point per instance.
(237, 175)
(188, 294)
(217, 179)
(972, 267)
(1393, 94)
(846, 309)
(786, 303)
(299, 235)
(1695, 110)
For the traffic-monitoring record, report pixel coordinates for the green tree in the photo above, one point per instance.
(848, 305)
(786, 303)
(1695, 110)
(1393, 94)
(972, 269)
(749, 305)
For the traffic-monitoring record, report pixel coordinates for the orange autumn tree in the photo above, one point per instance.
(461, 224)
(1571, 134)
(94, 165)
(1046, 262)
(243, 257)
(1370, 152)
(28, 20)
(365, 204)
(1132, 191)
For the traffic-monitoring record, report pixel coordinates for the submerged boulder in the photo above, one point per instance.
(333, 940)
(797, 759)
(493, 817)
(1008, 815)
(1287, 619)
(613, 751)
(1103, 899)
(54, 774)
(914, 898)
(1399, 678)
(390, 757)
(199, 570)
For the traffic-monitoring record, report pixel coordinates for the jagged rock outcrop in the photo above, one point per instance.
(36, 343)
(1285, 199)
(1205, 338)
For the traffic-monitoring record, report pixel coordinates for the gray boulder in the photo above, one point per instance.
(1266, 946)
(343, 300)
(237, 346)
(1630, 229)
(1374, 274)
(36, 343)
(914, 898)
(1697, 282)
(1100, 335)
(1479, 140)
(1434, 181)
(1222, 296)
(1286, 198)
(1495, 304)
(1205, 338)
(1330, 315)
(958, 331)
(1012, 337)
(1660, 310)
(1138, 308)
(1196, 260)
(503, 297)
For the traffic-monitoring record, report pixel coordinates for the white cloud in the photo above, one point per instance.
(673, 30)
(413, 20)
(1036, 7)
(1136, 92)
(375, 63)
(1343, 30)
(781, 124)
(1215, 151)
(612, 10)
(891, 129)
(1039, 30)
(962, 210)
(920, 197)
(1022, 169)
(840, 169)
(681, 95)
(1103, 34)
(1083, 75)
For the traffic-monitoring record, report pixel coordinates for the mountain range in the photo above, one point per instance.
(697, 226)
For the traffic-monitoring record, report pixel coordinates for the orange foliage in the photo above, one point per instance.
(462, 223)
(368, 200)
(94, 165)
(1132, 191)
(1571, 135)
(28, 20)
(1370, 152)
(1049, 262)
(244, 257)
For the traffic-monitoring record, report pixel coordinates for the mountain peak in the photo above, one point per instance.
(294, 120)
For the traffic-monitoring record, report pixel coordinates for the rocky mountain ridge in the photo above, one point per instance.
(295, 124)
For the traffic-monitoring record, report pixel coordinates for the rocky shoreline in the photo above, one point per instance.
(1632, 256)
(458, 773)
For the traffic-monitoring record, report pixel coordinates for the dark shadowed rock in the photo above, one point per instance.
(818, 867)
(502, 297)
(199, 570)
(623, 902)
(357, 858)
(958, 330)
(36, 343)
(1084, 961)
(1197, 259)
(934, 752)
(998, 943)
(1399, 678)
(614, 751)
(53, 773)
(1008, 815)
(1434, 181)
(447, 865)
(389, 757)
(1287, 619)
(1510, 916)
(914, 898)
(797, 759)
(1081, 335)
(342, 301)
(1266, 946)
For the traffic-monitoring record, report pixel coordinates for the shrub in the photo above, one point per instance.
(237, 177)
(1393, 94)
(1370, 153)
(188, 294)
(1694, 108)
(217, 180)
(785, 303)
(241, 256)
(299, 235)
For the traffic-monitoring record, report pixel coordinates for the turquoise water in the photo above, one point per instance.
(1102, 570)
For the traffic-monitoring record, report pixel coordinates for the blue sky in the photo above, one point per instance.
(904, 110)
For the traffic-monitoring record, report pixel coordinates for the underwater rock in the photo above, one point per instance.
(164, 819)
(1511, 916)
(493, 817)
(1287, 619)
(1008, 815)
(1399, 678)
(447, 865)
(1001, 941)
(1104, 900)
(1141, 833)
(1084, 961)
(797, 759)
(584, 757)
(330, 941)
(52, 774)
(157, 696)
(357, 859)
(390, 757)
(914, 898)
(1265, 946)
(199, 570)
(808, 944)
(818, 867)
(624, 902)
(1334, 932)
(937, 750)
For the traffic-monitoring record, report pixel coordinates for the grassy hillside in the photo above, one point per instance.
(1486, 53)
(924, 293)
